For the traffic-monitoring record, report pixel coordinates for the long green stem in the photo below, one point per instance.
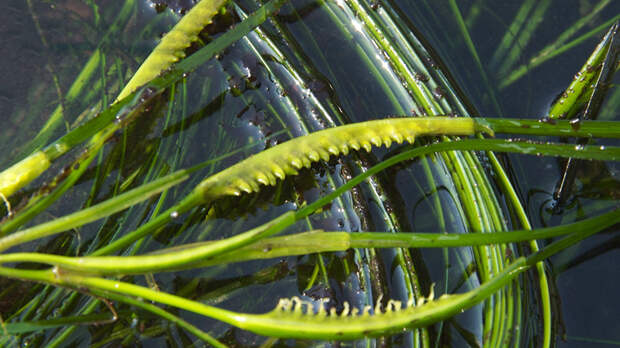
(562, 128)
(288, 320)
(165, 315)
(102, 127)
(209, 253)
(93, 213)
(474, 52)
(80, 84)
(319, 241)
(562, 150)
(169, 261)
(578, 92)
(196, 198)
(520, 71)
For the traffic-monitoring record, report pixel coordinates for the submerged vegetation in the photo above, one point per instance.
(222, 186)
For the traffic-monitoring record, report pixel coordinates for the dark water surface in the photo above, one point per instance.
(584, 274)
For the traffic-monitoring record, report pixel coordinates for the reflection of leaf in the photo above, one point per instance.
(599, 181)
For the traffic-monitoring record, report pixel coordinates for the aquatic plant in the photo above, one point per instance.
(139, 215)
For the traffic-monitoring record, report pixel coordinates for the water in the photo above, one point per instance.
(583, 308)
(330, 74)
